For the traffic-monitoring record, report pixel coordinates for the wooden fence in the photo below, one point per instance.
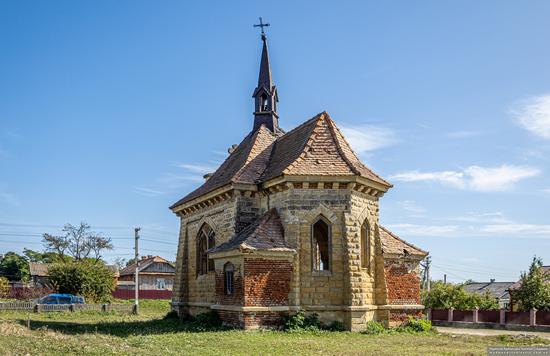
(490, 317)
(45, 308)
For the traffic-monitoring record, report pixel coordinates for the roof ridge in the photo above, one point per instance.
(317, 118)
(334, 129)
(248, 160)
(400, 239)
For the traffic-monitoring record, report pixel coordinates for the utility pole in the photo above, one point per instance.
(136, 282)
(428, 262)
(445, 278)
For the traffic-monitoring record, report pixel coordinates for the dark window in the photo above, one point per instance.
(205, 240)
(321, 245)
(228, 272)
(365, 245)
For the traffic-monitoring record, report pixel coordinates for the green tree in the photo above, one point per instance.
(78, 242)
(447, 295)
(91, 280)
(14, 267)
(43, 257)
(4, 287)
(534, 291)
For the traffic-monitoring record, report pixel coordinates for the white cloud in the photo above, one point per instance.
(534, 115)
(476, 178)
(148, 192)
(520, 230)
(367, 138)
(449, 178)
(493, 217)
(424, 230)
(412, 208)
(197, 168)
(547, 190)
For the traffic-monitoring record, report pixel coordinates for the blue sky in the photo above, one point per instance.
(111, 111)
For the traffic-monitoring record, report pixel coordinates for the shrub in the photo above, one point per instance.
(299, 322)
(4, 287)
(92, 280)
(374, 328)
(417, 325)
(335, 326)
(171, 315)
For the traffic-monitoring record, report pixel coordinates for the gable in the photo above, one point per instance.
(159, 267)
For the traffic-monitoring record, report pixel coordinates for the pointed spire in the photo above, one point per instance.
(265, 94)
(264, 79)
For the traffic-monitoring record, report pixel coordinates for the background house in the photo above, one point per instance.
(499, 290)
(155, 274)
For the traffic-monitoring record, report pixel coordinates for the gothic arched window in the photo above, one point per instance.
(365, 244)
(205, 240)
(228, 274)
(263, 102)
(321, 245)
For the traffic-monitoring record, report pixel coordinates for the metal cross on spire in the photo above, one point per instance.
(261, 26)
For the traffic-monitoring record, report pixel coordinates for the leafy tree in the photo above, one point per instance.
(14, 267)
(78, 242)
(4, 287)
(43, 257)
(92, 280)
(534, 291)
(447, 295)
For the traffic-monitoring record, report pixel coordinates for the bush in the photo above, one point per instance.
(447, 295)
(335, 326)
(417, 326)
(4, 287)
(374, 328)
(91, 280)
(300, 322)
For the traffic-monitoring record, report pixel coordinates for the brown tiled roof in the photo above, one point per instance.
(244, 164)
(316, 147)
(143, 263)
(392, 244)
(266, 233)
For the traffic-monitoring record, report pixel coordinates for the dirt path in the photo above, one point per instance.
(489, 332)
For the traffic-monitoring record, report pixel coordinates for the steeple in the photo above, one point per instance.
(265, 95)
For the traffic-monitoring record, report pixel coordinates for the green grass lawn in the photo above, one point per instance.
(149, 333)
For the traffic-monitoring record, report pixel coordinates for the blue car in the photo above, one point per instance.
(61, 299)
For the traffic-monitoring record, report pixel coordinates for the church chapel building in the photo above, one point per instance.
(290, 221)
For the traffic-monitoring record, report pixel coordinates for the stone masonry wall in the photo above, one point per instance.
(188, 286)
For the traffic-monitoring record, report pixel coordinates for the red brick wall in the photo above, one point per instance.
(266, 282)
(401, 316)
(233, 318)
(236, 298)
(403, 284)
(252, 320)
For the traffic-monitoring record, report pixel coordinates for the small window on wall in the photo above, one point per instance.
(161, 283)
(205, 240)
(320, 240)
(365, 244)
(228, 272)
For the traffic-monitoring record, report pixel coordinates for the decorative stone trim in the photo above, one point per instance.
(238, 308)
(275, 254)
(363, 307)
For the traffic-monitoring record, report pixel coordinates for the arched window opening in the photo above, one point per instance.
(365, 244)
(228, 273)
(263, 102)
(205, 240)
(321, 245)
